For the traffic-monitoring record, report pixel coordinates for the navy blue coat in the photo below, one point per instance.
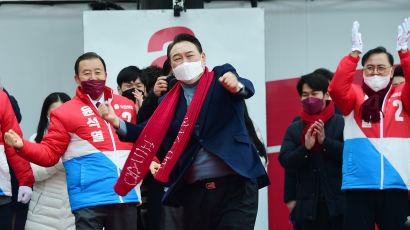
(220, 129)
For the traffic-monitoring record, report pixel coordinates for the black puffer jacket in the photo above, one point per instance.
(319, 174)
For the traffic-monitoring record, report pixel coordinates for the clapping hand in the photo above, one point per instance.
(319, 131)
(310, 138)
(138, 95)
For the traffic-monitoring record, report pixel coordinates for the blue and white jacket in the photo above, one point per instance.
(91, 152)
(375, 155)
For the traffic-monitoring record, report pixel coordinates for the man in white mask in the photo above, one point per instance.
(212, 167)
(376, 156)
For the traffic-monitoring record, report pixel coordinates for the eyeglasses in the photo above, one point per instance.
(381, 69)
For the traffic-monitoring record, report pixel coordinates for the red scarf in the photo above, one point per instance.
(309, 120)
(148, 142)
(371, 107)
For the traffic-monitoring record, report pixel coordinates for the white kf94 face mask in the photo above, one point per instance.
(188, 71)
(376, 82)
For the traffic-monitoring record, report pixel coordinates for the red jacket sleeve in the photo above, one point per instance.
(405, 64)
(21, 167)
(340, 88)
(52, 147)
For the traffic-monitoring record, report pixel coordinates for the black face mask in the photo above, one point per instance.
(129, 94)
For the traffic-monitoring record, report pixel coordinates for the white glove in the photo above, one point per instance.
(24, 195)
(356, 38)
(403, 34)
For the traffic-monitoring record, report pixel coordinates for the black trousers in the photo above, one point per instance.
(323, 220)
(18, 210)
(171, 218)
(20, 217)
(153, 196)
(107, 216)
(5, 217)
(365, 207)
(233, 205)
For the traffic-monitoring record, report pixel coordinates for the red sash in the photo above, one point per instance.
(148, 142)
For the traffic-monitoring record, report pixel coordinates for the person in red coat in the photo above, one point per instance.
(20, 166)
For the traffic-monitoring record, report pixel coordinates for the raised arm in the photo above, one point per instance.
(402, 40)
(405, 64)
(340, 88)
(230, 80)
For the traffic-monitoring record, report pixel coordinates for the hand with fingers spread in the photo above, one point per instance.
(107, 113)
(161, 86)
(230, 82)
(24, 194)
(403, 34)
(13, 139)
(310, 138)
(357, 44)
(319, 129)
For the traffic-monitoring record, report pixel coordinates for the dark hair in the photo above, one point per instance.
(166, 67)
(86, 56)
(43, 123)
(313, 80)
(398, 71)
(152, 72)
(131, 73)
(377, 50)
(181, 38)
(252, 134)
(325, 73)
